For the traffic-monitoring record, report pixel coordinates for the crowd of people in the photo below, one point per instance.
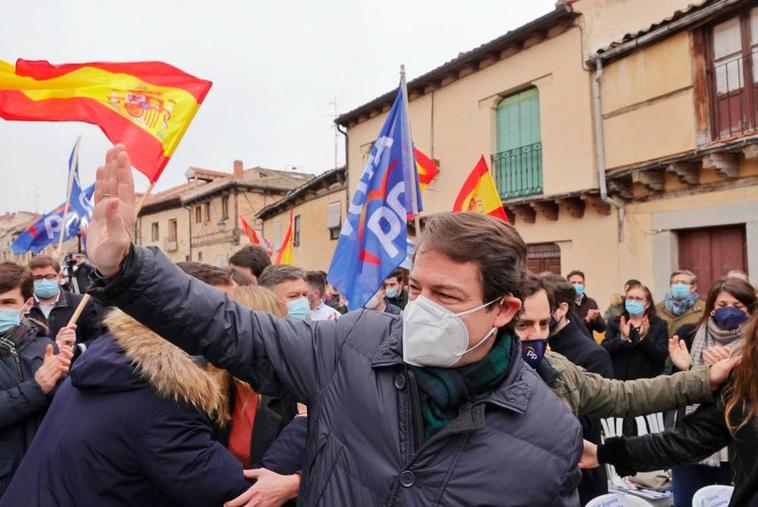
(464, 381)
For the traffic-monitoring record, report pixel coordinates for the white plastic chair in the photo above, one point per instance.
(613, 427)
(712, 496)
(618, 500)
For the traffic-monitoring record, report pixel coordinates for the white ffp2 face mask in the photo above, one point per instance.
(435, 336)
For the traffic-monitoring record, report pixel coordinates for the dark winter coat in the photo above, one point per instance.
(517, 445)
(89, 325)
(581, 310)
(637, 358)
(22, 402)
(131, 426)
(572, 343)
(694, 438)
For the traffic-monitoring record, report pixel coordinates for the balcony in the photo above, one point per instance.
(734, 92)
(518, 172)
(231, 237)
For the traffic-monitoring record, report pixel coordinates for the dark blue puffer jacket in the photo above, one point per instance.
(516, 446)
(109, 439)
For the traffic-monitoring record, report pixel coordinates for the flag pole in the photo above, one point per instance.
(87, 297)
(409, 144)
(71, 173)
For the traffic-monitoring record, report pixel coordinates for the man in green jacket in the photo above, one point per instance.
(590, 394)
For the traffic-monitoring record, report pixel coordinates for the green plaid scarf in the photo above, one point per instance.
(443, 390)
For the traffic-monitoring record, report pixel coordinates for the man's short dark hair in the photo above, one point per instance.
(632, 281)
(279, 273)
(14, 276)
(44, 261)
(495, 246)
(575, 273)
(253, 257)
(316, 280)
(240, 278)
(532, 285)
(206, 273)
(559, 290)
(399, 273)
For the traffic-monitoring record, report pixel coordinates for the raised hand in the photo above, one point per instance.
(52, 369)
(719, 372)
(645, 327)
(715, 354)
(110, 232)
(625, 327)
(679, 354)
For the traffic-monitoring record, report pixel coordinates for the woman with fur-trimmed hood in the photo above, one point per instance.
(133, 425)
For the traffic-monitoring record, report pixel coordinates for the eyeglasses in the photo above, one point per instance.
(44, 277)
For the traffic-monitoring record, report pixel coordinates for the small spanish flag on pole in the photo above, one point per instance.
(426, 167)
(285, 254)
(147, 106)
(479, 193)
(249, 231)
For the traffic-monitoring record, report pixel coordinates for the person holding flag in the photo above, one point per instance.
(432, 407)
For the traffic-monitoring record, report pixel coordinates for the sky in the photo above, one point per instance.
(276, 67)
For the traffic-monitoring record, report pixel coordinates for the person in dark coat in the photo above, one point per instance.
(132, 425)
(54, 307)
(393, 418)
(29, 371)
(730, 419)
(589, 316)
(637, 340)
(569, 340)
(396, 288)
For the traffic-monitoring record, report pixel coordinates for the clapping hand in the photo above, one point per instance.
(679, 354)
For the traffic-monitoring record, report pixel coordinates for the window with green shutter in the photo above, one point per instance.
(517, 165)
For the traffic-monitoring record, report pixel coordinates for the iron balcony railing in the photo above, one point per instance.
(734, 89)
(518, 172)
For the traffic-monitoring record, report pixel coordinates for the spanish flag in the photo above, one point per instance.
(479, 193)
(147, 106)
(426, 167)
(285, 254)
(249, 231)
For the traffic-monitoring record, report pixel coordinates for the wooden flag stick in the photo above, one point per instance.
(87, 297)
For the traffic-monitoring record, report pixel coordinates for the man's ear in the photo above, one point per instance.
(28, 306)
(508, 307)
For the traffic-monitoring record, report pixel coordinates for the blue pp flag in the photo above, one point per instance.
(47, 230)
(373, 240)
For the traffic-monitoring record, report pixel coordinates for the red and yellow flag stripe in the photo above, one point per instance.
(426, 167)
(147, 106)
(286, 254)
(479, 193)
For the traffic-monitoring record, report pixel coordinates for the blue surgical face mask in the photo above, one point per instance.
(579, 288)
(680, 290)
(9, 319)
(298, 309)
(533, 352)
(45, 289)
(391, 292)
(635, 308)
(729, 317)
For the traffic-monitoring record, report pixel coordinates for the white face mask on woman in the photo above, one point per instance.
(435, 336)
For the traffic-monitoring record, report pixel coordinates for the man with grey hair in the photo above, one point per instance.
(682, 304)
(289, 285)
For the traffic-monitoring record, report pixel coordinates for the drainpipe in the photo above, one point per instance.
(600, 149)
(347, 172)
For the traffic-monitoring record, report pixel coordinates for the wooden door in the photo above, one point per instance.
(710, 253)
